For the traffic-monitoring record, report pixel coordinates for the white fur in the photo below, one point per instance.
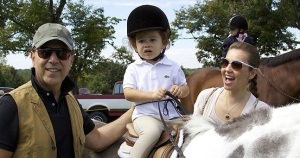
(198, 125)
(207, 143)
(180, 142)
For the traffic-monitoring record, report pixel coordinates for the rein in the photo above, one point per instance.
(176, 147)
(278, 89)
(170, 134)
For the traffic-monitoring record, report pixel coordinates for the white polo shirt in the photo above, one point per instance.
(146, 77)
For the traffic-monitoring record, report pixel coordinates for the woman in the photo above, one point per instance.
(238, 95)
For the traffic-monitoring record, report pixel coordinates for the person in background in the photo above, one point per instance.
(238, 95)
(42, 118)
(147, 80)
(238, 26)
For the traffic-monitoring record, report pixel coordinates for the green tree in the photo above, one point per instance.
(107, 72)
(9, 77)
(24, 74)
(91, 30)
(123, 56)
(104, 78)
(20, 19)
(206, 22)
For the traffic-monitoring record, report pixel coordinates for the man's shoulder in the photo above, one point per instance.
(7, 99)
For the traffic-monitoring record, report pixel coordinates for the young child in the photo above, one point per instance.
(237, 25)
(148, 79)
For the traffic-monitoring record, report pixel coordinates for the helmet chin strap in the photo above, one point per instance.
(160, 55)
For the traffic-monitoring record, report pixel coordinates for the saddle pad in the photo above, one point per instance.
(130, 137)
(124, 149)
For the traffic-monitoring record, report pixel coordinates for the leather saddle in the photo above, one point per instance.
(163, 148)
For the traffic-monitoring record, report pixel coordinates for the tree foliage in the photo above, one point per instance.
(123, 56)
(9, 77)
(90, 29)
(268, 21)
(103, 81)
(20, 19)
(108, 72)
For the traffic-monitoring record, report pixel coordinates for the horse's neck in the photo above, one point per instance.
(290, 68)
(277, 85)
(198, 124)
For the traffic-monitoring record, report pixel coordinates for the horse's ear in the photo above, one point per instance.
(252, 74)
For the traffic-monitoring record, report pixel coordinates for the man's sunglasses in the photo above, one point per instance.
(61, 53)
(236, 65)
(232, 28)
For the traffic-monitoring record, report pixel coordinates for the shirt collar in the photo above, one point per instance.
(164, 61)
(66, 86)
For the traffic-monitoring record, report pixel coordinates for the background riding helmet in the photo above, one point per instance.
(238, 22)
(146, 17)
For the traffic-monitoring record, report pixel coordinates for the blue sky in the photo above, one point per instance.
(183, 51)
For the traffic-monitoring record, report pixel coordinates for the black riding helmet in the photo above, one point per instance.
(146, 17)
(238, 22)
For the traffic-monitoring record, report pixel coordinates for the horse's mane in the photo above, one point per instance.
(281, 59)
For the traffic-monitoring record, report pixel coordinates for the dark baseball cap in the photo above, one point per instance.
(52, 31)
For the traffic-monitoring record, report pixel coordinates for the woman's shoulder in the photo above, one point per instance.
(213, 89)
(262, 105)
(210, 91)
(256, 103)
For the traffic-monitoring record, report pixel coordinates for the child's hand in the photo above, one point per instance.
(185, 117)
(159, 94)
(176, 91)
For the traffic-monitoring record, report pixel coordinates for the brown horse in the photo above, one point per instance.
(199, 80)
(277, 84)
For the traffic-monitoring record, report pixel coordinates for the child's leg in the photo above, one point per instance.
(149, 130)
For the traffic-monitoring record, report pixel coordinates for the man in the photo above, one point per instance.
(41, 118)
